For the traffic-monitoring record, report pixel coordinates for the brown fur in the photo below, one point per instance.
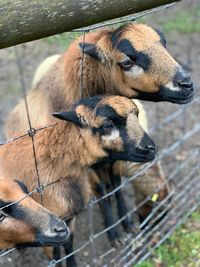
(15, 231)
(61, 84)
(67, 166)
(64, 152)
(145, 185)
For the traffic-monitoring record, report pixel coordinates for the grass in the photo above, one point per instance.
(182, 249)
(184, 22)
(62, 40)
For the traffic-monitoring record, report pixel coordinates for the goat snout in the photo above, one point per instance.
(151, 148)
(147, 148)
(59, 227)
(183, 80)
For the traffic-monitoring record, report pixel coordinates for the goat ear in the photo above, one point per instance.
(93, 51)
(68, 116)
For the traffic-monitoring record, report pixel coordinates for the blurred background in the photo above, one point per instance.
(181, 25)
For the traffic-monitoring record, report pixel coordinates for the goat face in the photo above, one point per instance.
(27, 223)
(111, 128)
(136, 58)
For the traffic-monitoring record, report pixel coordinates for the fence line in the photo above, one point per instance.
(128, 254)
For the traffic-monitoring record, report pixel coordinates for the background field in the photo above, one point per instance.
(182, 29)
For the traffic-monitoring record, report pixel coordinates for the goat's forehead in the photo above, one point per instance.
(140, 36)
(121, 105)
(141, 31)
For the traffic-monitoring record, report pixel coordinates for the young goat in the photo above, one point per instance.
(131, 61)
(152, 184)
(145, 185)
(27, 223)
(103, 129)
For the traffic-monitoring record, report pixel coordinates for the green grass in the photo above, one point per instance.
(184, 22)
(182, 249)
(62, 40)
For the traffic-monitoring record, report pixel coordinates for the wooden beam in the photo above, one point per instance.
(26, 20)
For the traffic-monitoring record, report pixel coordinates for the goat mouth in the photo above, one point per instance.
(142, 158)
(165, 94)
(179, 97)
(39, 243)
(182, 100)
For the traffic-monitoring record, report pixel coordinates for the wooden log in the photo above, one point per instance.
(26, 20)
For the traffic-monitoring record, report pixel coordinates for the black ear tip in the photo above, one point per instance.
(87, 46)
(83, 46)
(57, 115)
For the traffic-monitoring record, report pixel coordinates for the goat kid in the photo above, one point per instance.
(103, 129)
(27, 223)
(132, 61)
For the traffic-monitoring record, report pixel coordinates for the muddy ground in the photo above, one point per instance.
(186, 49)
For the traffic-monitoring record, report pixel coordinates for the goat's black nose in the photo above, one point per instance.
(186, 83)
(147, 148)
(151, 148)
(183, 80)
(60, 227)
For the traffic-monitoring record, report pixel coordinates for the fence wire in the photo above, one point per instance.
(182, 200)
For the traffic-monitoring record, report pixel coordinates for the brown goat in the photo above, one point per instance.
(143, 186)
(130, 61)
(103, 129)
(27, 223)
(150, 184)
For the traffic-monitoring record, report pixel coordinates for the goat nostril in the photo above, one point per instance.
(151, 148)
(60, 229)
(186, 84)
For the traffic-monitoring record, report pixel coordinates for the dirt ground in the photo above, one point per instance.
(184, 47)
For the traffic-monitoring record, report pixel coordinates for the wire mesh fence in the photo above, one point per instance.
(177, 133)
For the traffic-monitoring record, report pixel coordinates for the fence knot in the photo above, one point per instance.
(40, 188)
(52, 263)
(31, 132)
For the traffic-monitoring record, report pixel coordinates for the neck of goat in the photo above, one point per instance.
(62, 150)
(95, 76)
(63, 153)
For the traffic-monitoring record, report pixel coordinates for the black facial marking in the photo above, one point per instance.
(141, 59)
(4, 203)
(14, 210)
(22, 186)
(162, 37)
(108, 112)
(115, 35)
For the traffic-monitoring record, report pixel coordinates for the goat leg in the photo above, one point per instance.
(122, 209)
(106, 211)
(57, 255)
(70, 262)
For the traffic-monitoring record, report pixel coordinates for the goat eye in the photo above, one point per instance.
(126, 64)
(107, 127)
(2, 217)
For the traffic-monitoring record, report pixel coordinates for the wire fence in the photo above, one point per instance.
(178, 158)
